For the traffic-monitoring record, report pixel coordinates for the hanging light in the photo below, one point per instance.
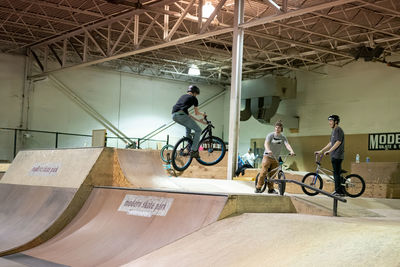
(207, 10)
(194, 70)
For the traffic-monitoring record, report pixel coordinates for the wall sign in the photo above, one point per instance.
(384, 141)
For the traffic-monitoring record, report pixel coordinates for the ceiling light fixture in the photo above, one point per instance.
(194, 70)
(207, 10)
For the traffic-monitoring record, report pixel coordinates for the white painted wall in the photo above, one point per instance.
(136, 105)
(11, 88)
(364, 94)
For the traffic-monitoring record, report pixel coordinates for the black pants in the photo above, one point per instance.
(337, 168)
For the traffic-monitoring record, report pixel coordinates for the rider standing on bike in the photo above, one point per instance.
(181, 115)
(336, 149)
(273, 145)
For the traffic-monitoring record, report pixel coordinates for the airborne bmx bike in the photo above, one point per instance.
(353, 184)
(211, 149)
(278, 177)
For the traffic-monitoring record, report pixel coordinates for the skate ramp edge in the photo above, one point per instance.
(238, 204)
(109, 235)
(39, 205)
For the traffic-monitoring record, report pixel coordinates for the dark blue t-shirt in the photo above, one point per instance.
(184, 103)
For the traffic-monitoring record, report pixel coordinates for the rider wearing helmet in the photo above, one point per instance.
(336, 149)
(181, 115)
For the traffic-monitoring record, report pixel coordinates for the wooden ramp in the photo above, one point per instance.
(103, 235)
(44, 189)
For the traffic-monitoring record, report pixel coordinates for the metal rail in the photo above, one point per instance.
(335, 198)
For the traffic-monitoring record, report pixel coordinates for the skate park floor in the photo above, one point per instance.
(366, 231)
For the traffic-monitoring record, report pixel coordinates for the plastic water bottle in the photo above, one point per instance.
(357, 158)
(367, 159)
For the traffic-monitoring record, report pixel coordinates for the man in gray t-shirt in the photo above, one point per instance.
(273, 145)
(336, 149)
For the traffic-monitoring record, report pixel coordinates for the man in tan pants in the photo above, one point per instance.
(273, 145)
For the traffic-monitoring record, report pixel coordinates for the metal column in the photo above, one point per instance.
(236, 85)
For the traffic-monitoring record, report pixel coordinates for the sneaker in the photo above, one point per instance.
(258, 190)
(338, 194)
(194, 154)
(272, 191)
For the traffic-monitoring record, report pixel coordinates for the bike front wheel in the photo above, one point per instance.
(314, 180)
(166, 152)
(211, 150)
(281, 183)
(181, 154)
(354, 185)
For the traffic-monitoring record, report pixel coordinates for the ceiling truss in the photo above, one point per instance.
(164, 38)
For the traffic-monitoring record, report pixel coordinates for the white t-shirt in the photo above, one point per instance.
(249, 157)
(276, 142)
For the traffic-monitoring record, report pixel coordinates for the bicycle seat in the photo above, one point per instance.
(343, 171)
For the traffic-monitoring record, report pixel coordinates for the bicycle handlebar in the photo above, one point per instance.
(208, 122)
(318, 158)
(282, 156)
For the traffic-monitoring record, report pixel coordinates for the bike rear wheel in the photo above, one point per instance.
(354, 185)
(181, 154)
(264, 185)
(314, 180)
(281, 183)
(166, 153)
(211, 150)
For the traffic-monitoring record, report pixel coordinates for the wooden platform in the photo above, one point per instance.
(382, 178)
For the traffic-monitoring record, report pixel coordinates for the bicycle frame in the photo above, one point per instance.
(279, 168)
(206, 131)
(320, 169)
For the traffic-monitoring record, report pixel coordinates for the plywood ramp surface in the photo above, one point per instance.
(284, 240)
(60, 168)
(28, 211)
(100, 235)
(44, 189)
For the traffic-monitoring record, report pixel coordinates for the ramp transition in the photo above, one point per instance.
(104, 235)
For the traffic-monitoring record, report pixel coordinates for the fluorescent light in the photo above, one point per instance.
(194, 70)
(207, 10)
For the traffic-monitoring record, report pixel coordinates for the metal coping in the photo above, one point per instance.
(163, 191)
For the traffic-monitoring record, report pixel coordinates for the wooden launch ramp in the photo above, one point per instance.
(54, 201)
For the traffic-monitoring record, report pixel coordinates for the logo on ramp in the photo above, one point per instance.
(45, 169)
(145, 206)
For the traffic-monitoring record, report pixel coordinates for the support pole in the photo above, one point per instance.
(236, 85)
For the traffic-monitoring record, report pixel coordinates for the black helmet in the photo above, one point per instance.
(335, 118)
(194, 89)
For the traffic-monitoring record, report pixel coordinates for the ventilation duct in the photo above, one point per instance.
(263, 108)
(245, 114)
(262, 97)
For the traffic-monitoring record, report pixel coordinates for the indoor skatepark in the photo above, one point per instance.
(73, 71)
(73, 217)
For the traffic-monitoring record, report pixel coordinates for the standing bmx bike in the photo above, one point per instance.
(278, 176)
(353, 184)
(212, 149)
